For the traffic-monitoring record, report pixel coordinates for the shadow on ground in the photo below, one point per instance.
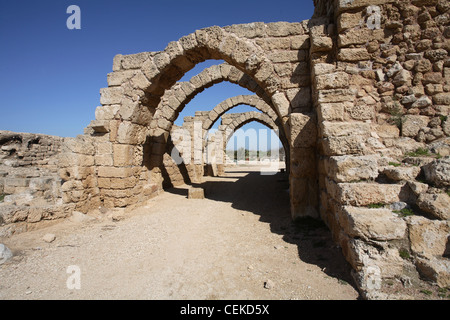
(268, 197)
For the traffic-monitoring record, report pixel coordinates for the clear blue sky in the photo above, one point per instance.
(50, 76)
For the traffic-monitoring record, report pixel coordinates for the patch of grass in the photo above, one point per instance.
(443, 118)
(395, 164)
(396, 116)
(442, 293)
(2, 197)
(426, 292)
(375, 205)
(404, 212)
(420, 152)
(404, 254)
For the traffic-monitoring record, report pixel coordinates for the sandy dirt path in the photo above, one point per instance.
(238, 243)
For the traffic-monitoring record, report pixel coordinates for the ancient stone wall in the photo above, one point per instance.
(380, 84)
(30, 186)
(360, 92)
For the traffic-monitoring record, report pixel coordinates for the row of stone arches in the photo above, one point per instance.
(177, 159)
(143, 98)
(330, 82)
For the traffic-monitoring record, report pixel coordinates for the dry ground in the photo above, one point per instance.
(227, 246)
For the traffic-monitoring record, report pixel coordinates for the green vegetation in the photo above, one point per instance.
(443, 293)
(421, 152)
(404, 212)
(427, 292)
(375, 205)
(404, 254)
(2, 197)
(443, 118)
(395, 164)
(396, 115)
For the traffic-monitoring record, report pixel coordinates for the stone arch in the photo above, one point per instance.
(175, 99)
(267, 113)
(238, 120)
(148, 75)
(271, 58)
(244, 118)
(230, 103)
(233, 122)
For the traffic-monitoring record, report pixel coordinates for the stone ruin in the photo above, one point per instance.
(360, 94)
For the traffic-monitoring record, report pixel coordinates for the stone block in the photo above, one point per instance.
(304, 197)
(319, 44)
(335, 95)
(110, 96)
(118, 78)
(353, 37)
(323, 68)
(442, 98)
(123, 155)
(374, 224)
(364, 193)
(437, 172)
(346, 5)
(338, 129)
(402, 173)
(438, 205)
(412, 124)
(134, 61)
(281, 103)
(332, 81)
(352, 168)
(113, 172)
(104, 160)
(349, 20)
(353, 54)
(333, 111)
(100, 126)
(303, 130)
(130, 133)
(337, 146)
(435, 269)
(428, 238)
(196, 193)
(79, 145)
(303, 162)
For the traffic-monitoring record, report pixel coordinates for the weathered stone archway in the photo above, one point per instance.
(230, 124)
(354, 92)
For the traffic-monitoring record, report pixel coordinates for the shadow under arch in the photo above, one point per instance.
(267, 197)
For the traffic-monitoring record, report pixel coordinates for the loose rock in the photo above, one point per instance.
(49, 237)
(5, 253)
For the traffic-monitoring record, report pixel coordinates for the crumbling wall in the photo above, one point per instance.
(30, 186)
(381, 87)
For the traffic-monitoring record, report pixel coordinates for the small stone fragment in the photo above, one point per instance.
(269, 284)
(49, 237)
(5, 253)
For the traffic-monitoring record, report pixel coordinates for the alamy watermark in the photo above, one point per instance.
(74, 20)
(74, 280)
